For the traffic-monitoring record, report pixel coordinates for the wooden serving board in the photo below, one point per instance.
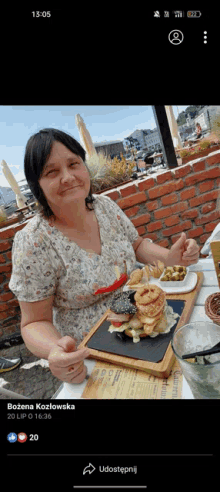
(160, 369)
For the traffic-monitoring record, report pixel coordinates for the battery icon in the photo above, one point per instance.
(194, 13)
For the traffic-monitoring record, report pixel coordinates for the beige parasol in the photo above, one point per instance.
(173, 127)
(85, 136)
(20, 198)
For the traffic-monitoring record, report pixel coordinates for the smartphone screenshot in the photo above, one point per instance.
(110, 407)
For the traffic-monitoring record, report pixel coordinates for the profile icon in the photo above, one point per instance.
(175, 37)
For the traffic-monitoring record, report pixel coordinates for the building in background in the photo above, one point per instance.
(206, 115)
(144, 140)
(152, 140)
(110, 149)
(6, 195)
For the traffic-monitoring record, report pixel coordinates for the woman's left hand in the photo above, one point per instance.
(184, 252)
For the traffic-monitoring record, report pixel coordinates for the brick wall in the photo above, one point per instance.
(9, 306)
(160, 207)
(182, 199)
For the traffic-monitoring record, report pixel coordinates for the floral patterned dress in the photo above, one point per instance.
(45, 262)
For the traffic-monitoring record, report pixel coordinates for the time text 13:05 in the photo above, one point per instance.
(37, 13)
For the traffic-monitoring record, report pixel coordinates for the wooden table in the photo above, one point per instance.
(210, 286)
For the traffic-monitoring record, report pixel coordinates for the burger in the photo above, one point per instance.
(139, 313)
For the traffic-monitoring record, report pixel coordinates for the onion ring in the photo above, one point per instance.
(147, 294)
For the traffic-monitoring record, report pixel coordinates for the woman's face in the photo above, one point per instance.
(65, 178)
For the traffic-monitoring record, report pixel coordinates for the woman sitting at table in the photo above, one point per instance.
(69, 249)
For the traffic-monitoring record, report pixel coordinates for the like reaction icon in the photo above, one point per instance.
(12, 437)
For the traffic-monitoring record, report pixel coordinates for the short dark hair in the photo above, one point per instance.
(37, 151)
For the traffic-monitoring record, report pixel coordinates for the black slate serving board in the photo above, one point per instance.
(148, 349)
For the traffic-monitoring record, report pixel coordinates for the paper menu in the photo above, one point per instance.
(108, 381)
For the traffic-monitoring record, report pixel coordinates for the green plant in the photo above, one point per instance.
(203, 144)
(106, 172)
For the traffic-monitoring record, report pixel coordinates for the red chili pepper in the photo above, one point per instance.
(118, 283)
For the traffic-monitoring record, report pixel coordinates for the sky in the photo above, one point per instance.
(18, 123)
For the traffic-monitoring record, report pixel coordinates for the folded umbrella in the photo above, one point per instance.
(20, 198)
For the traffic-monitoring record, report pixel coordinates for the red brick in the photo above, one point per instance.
(207, 197)
(13, 302)
(132, 200)
(175, 238)
(179, 207)
(180, 172)
(195, 232)
(6, 297)
(170, 221)
(146, 184)
(3, 307)
(164, 243)
(202, 176)
(132, 211)
(152, 236)
(128, 190)
(188, 193)
(203, 238)
(141, 230)
(190, 214)
(152, 205)
(208, 218)
(208, 207)
(9, 255)
(8, 233)
(163, 212)
(166, 189)
(114, 195)
(141, 219)
(211, 226)
(163, 177)
(21, 226)
(177, 228)
(5, 245)
(11, 312)
(174, 209)
(2, 259)
(3, 315)
(206, 186)
(169, 199)
(198, 166)
(6, 268)
(213, 159)
(154, 226)
(6, 287)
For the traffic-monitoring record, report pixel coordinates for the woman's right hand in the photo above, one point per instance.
(66, 362)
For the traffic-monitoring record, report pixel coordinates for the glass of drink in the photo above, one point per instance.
(201, 373)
